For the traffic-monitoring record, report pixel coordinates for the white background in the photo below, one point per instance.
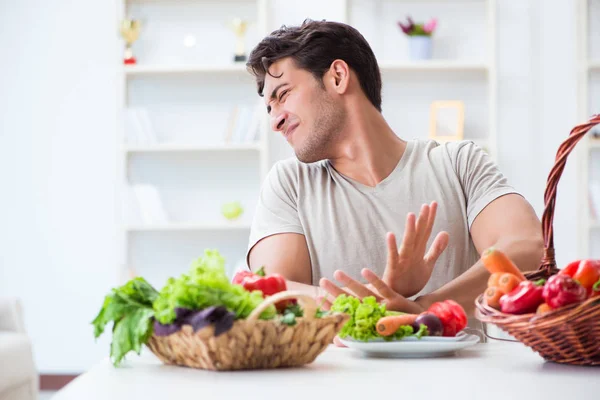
(58, 104)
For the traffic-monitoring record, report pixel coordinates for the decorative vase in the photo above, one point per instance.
(420, 47)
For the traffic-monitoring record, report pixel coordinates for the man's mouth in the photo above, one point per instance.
(288, 132)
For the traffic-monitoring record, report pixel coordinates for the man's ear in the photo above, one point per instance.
(339, 76)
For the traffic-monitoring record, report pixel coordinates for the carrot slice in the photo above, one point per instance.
(387, 326)
(495, 260)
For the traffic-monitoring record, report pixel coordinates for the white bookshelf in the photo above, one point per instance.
(174, 74)
(589, 67)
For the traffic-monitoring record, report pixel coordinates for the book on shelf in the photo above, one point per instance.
(243, 125)
(138, 127)
(149, 204)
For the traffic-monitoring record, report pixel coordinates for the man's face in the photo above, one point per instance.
(303, 111)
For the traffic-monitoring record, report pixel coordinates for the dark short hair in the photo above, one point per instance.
(314, 46)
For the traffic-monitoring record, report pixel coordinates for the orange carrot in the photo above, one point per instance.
(543, 308)
(494, 278)
(508, 282)
(492, 297)
(387, 326)
(497, 261)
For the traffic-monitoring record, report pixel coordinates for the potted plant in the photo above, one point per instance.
(419, 37)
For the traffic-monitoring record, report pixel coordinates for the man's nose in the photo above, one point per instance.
(278, 122)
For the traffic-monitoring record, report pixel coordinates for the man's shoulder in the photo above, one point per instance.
(293, 168)
(449, 147)
(444, 152)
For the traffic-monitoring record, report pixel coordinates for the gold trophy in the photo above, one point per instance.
(239, 27)
(130, 31)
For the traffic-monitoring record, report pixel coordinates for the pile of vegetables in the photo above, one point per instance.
(370, 320)
(510, 292)
(204, 296)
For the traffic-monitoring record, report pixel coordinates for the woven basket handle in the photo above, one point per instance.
(309, 305)
(548, 263)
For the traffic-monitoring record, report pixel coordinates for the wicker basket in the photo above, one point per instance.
(569, 335)
(253, 343)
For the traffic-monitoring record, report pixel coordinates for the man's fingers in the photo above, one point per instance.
(356, 287)
(323, 303)
(432, 213)
(392, 250)
(338, 342)
(383, 289)
(408, 241)
(437, 248)
(331, 288)
(421, 228)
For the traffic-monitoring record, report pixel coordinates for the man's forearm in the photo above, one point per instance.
(526, 253)
(313, 291)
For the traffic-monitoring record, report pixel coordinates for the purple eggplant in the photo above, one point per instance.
(432, 322)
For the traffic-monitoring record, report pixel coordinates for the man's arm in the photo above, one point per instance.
(509, 224)
(286, 254)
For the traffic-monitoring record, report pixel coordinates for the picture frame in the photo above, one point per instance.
(447, 119)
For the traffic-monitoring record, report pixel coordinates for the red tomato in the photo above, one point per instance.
(451, 314)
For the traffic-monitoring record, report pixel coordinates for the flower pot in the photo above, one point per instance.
(420, 47)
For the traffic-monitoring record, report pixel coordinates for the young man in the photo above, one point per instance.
(334, 210)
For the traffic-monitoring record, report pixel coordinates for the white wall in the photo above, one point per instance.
(57, 157)
(57, 150)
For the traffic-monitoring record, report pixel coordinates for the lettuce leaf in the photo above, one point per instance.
(204, 286)
(129, 308)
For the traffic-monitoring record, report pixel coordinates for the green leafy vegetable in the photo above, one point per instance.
(364, 315)
(422, 331)
(129, 308)
(290, 314)
(207, 285)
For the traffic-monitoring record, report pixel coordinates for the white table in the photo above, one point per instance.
(499, 370)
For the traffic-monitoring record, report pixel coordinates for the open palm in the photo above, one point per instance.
(408, 269)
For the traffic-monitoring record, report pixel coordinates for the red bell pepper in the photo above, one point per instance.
(586, 272)
(240, 276)
(267, 284)
(523, 299)
(452, 315)
(561, 290)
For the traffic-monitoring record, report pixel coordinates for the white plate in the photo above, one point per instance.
(413, 347)
(459, 336)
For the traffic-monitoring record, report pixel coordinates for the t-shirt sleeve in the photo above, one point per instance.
(481, 179)
(277, 210)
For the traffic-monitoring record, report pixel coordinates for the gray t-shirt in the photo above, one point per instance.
(345, 222)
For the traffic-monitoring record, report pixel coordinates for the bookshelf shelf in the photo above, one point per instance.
(179, 148)
(434, 65)
(139, 70)
(182, 227)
